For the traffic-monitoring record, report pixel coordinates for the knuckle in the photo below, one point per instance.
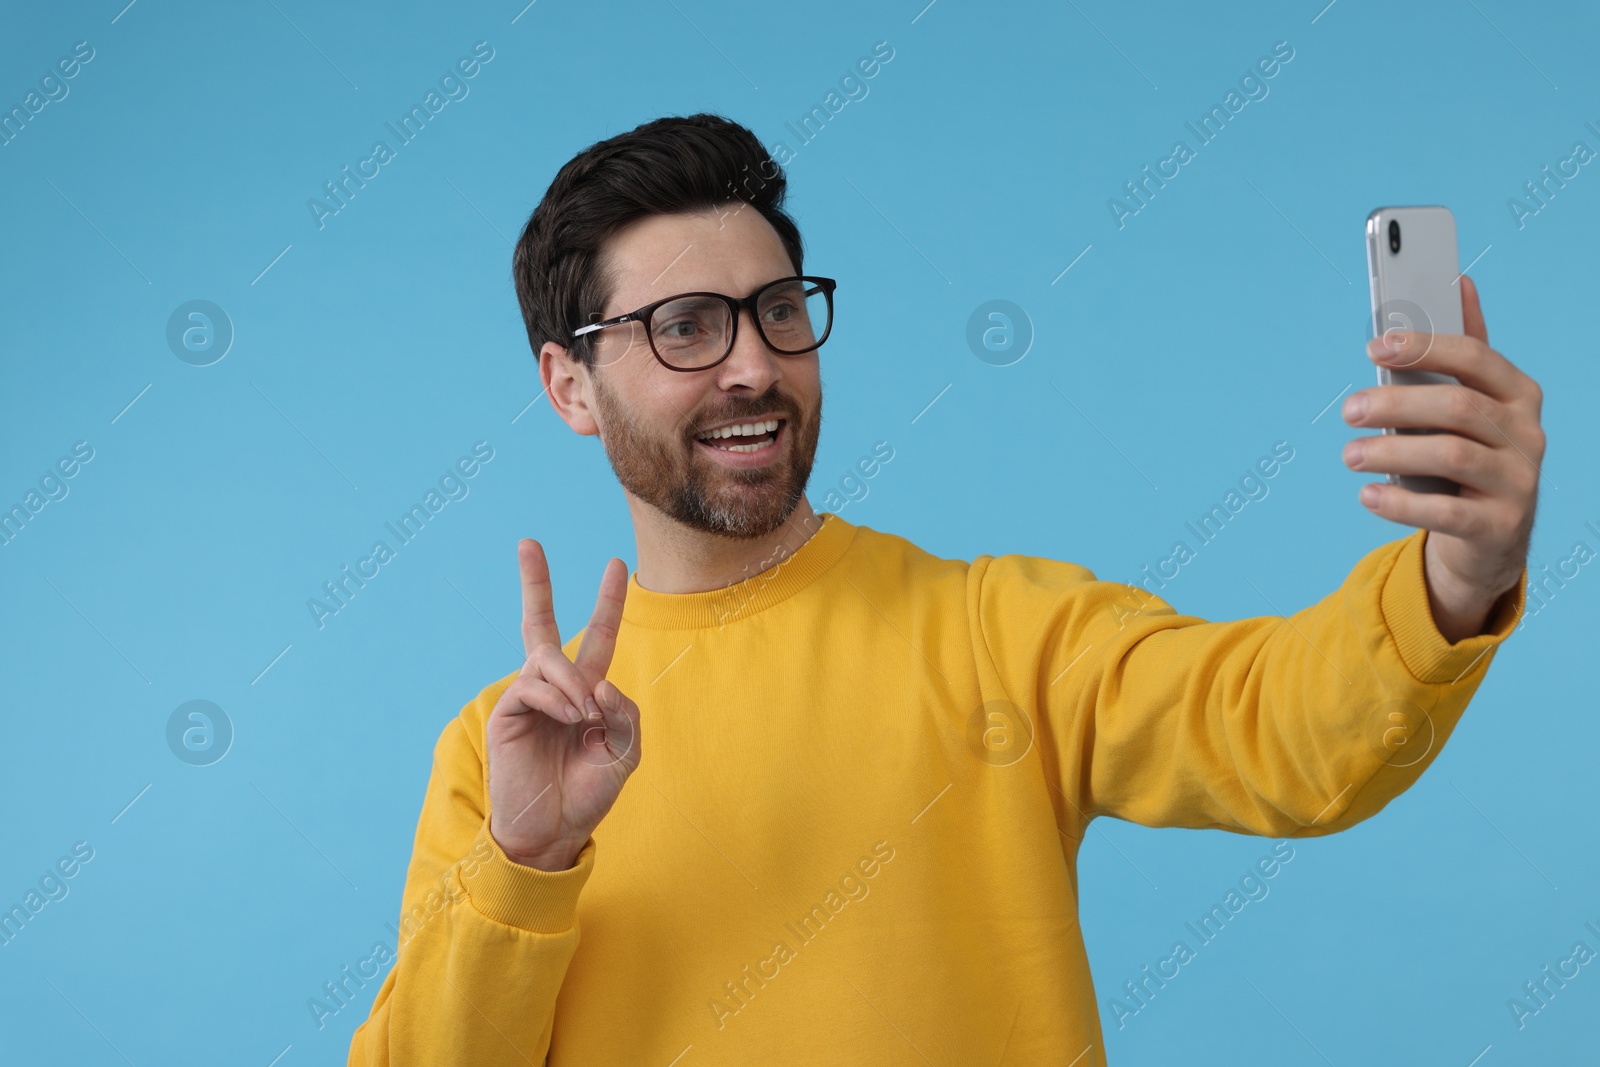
(1500, 524)
(1502, 411)
(548, 661)
(1456, 453)
(1460, 408)
(1511, 527)
(1525, 483)
(1458, 515)
(1535, 394)
(1496, 524)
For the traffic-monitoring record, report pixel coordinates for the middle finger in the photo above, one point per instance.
(1456, 408)
(1442, 455)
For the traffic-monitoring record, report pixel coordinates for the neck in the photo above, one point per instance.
(674, 558)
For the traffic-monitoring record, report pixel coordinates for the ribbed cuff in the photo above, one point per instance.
(544, 902)
(1427, 655)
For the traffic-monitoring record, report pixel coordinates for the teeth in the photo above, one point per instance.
(743, 430)
(747, 429)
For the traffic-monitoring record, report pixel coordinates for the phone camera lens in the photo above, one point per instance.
(1394, 235)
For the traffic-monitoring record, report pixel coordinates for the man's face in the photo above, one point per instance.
(651, 419)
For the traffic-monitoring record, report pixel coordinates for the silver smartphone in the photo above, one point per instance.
(1412, 269)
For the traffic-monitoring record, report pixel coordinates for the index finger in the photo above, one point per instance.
(1471, 361)
(600, 638)
(538, 608)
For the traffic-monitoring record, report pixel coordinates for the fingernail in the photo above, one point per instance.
(594, 709)
(1353, 452)
(1369, 495)
(1393, 342)
(573, 714)
(1355, 407)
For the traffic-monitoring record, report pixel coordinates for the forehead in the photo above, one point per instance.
(731, 249)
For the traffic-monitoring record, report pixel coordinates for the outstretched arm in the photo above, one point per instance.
(1280, 726)
(1307, 724)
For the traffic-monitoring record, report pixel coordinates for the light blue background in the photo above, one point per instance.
(1223, 318)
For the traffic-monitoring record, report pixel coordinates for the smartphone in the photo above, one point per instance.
(1415, 281)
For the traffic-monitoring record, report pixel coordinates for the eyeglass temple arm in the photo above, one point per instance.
(592, 327)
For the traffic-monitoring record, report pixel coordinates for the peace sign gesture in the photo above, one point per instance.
(561, 739)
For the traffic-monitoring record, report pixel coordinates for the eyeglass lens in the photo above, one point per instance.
(696, 330)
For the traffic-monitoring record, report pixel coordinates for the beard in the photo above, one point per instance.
(669, 473)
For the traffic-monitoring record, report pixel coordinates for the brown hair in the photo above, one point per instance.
(667, 166)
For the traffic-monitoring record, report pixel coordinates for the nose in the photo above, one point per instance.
(751, 364)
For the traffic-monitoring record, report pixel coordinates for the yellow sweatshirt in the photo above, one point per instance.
(865, 777)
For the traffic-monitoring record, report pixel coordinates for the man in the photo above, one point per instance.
(857, 776)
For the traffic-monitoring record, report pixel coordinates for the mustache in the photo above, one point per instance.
(778, 405)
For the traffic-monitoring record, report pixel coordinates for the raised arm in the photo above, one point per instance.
(484, 942)
(504, 846)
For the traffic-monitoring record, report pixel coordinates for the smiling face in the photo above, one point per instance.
(654, 422)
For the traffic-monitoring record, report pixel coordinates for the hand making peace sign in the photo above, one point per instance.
(561, 739)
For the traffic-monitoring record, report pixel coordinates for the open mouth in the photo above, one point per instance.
(743, 437)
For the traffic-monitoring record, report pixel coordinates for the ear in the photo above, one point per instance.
(566, 383)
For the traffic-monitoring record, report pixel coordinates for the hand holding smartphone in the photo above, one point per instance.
(1412, 270)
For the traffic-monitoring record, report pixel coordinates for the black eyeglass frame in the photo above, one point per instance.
(644, 314)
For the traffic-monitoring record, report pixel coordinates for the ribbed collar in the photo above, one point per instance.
(717, 607)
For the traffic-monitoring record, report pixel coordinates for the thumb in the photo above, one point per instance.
(1472, 311)
(620, 717)
(620, 728)
(613, 705)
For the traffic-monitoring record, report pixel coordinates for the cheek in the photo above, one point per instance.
(625, 349)
(670, 409)
(803, 385)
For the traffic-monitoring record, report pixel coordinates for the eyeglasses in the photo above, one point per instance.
(695, 331)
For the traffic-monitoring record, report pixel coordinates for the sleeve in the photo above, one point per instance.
(1292, 726)
(484, 942)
